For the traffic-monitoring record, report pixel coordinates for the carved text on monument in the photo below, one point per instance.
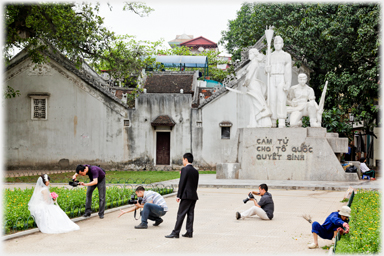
(267, 152)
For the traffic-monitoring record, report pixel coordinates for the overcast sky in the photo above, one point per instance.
(170, 18)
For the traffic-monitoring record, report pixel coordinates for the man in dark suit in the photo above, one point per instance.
(187, 196)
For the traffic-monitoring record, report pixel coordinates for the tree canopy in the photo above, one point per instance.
(74, 29)
(339, 42)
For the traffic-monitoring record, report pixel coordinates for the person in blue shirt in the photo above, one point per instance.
(336, 221)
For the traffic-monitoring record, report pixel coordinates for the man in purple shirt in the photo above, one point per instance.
(97, 179)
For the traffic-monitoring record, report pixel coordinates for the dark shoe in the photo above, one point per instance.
(188, 235)
(141, 226)
(172, 236)
(158, 222)
(86, 215)
(101, 217)
(238, 215)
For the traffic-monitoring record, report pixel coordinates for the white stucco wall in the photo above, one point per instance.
(83, 125)
(149, 106)
(214, 149)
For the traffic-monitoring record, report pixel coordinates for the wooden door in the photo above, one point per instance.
(163, 148)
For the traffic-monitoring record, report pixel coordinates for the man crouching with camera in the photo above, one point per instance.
(154, 207)
(264, 209)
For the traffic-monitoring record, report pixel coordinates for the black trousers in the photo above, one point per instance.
(102, 192)
(186, 207)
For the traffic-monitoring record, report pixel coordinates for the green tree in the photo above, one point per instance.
(124, 60)
(76, 30)
(339, 42)
(126, 57)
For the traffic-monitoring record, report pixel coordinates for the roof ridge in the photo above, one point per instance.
(198, 38)
(96, 82)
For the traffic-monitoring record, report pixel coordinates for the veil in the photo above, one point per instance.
(40, 197)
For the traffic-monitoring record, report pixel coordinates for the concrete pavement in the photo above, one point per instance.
(216, 231)
(210, 181)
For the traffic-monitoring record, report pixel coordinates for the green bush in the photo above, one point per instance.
(365, 225)
(71, 201)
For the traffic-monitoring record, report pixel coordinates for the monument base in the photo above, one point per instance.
(227, 171)
(288, 154)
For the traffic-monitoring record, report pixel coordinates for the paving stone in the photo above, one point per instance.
(216, 230)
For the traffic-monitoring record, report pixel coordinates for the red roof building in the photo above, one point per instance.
(199, 44)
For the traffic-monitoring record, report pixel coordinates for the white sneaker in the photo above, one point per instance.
(313, 246)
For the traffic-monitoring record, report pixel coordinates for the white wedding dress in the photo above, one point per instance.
(49, 217)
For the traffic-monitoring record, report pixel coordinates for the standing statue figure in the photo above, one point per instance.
(280, 72)
(301, 101)
(257, 90)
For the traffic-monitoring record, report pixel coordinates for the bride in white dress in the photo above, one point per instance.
(49, 217)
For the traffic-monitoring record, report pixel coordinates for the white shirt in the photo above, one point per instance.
(363, 167)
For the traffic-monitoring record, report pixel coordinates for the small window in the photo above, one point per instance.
(127, 123)
(39, 106)
(225, 132)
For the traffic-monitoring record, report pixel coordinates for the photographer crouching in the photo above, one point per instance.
(97, 179)
(154, 207)
(264, 209)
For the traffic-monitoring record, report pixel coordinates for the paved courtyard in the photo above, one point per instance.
(216, 230)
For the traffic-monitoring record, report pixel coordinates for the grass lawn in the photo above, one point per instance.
(137, 177)
(364, 236)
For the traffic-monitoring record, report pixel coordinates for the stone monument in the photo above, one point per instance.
(280, 76)
(264, 152)
(260, 115)
(301, 101)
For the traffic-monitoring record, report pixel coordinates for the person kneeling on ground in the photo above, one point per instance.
(264, 209)
(365, 170)
(336, 221)
(154, 207)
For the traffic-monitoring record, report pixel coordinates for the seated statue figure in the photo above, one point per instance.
(301, 102)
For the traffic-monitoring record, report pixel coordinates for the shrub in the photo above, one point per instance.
(71, 201)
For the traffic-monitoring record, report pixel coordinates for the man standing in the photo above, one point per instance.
(187, 193)
(280, 72)
(264, 209)
(154, 207)
(97, 179)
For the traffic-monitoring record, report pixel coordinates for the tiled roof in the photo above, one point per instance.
(207, 93)
(163, 120)
(229, 81)
(169, 82)
(119, 92)
(199, 41)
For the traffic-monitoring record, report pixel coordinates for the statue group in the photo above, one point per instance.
(272, 103)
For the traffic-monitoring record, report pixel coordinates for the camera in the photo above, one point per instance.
(74, 183)
(134, 201)
(250, 196)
